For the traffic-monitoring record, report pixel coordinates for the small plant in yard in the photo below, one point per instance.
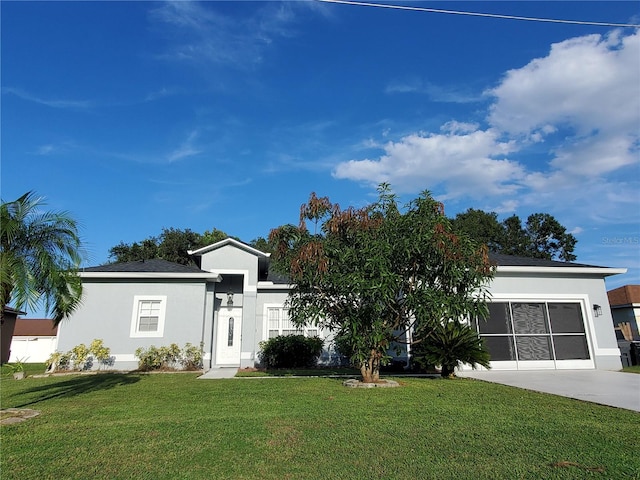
(192, 357)
(17, 368)
(101, 353)
(450, 344)
(79, 356)
(290, 351)
(58, 361)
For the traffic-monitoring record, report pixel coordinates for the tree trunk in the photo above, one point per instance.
(447, 371)
(370, 370)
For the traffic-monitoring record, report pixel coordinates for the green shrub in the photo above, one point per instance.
(449, 345)
(149, 359)
(169, 358)
(101, 353)
(59, 361)
(79, 355)
(192, 357)
(290, 351)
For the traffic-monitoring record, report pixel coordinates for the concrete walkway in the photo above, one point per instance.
(222, 372)
(616, 389)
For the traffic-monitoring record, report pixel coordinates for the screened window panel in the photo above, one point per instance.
(500, 348)
(498, 321)
(529, 318)
(534, 348)
(571, 347)
(273, 333)
(290, 332)
(312, 333)
(566, 318)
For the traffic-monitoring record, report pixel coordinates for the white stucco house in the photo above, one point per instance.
(544, 314)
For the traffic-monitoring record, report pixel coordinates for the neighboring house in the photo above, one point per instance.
(34, 340)
(625, 309)
(544, 314)
(7, 326)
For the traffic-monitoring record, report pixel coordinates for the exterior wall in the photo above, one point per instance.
(588, 290)
(107, 309)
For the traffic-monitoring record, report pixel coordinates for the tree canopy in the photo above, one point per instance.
(171, 245)
(378, 275)
(39, 257)
(541, 237)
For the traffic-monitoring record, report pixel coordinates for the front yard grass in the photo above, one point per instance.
(174, 426)
(631, 369)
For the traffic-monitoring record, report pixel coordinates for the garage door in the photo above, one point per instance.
(535, 335)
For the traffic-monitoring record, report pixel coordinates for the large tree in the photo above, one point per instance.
(39, 257)
(541, 237)
(378, 275)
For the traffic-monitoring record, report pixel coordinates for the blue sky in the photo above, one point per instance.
(136, 116)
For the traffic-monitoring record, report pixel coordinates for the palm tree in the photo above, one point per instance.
(39, 258)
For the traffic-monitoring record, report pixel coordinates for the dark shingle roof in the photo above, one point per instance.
(512, 261)
(155, 265)
(277, 278)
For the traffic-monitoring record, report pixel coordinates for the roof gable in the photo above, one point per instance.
(229, 241)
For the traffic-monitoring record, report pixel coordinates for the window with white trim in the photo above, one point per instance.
(279, 323)
(147, 319)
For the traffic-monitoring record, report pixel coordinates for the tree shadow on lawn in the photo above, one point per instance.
(75, 386)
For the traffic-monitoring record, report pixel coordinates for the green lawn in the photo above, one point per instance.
(632, 369)
(173, 426)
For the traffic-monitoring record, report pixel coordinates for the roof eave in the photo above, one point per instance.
(208, 276)
(602, 271)
(227, 241)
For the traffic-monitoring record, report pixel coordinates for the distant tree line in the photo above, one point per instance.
(172, 245)
(542, 236)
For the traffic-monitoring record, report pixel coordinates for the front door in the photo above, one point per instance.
(229, 336)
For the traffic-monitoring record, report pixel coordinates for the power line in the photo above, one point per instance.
(478, 14)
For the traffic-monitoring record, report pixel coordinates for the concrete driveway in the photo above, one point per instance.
(615, 389)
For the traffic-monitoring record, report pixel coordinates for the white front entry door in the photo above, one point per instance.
(229, 336)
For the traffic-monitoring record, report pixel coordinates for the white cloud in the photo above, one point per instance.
(49, 102)
(581, 102)
(589, 83)
(465, 160)
(436, 93)
(187, 149)
(211, 37)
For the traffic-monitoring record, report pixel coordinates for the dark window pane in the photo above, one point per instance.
(529, 318)
(534, 348)
(498, 321)
(566, 318)
(500, 348)
(230, 334)
(571, 347)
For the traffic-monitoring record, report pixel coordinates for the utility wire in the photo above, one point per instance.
(477, 14)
